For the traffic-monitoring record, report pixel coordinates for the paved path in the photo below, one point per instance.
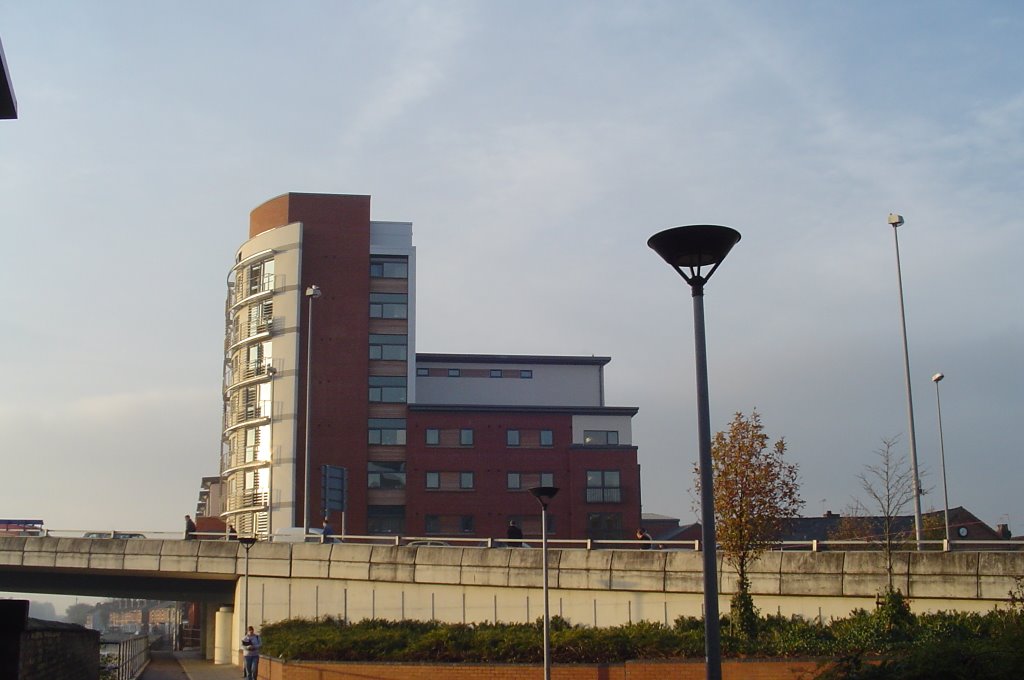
(187, 666)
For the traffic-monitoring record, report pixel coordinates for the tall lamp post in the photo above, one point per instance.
(896, 221)
(247, 543)
(942, 452)
(687, 250)
(544, 494)
(312, 293)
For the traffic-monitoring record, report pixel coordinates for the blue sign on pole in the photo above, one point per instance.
(334, 482)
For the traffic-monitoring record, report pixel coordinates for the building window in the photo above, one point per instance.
(515, 481)
(466, 524)
(389, 268)
(385, 519)
(496, 373)
(604, 525)
(512, 437)
(389, 306)
(526, 373)
(433, 436)
(421, 372)
(385, 475)
(432, 524)
(465, 480)
(387, 389)
(603, 486)
(389, 347)
(547, 438)
(547, 479)
(433, 480)
(601, 437)
(466, 437)
(454, 372)
(387, 431)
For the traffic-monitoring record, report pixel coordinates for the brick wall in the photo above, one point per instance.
(59, 654)
(734, 669)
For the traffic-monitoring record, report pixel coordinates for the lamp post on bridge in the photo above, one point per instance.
(247, 543)
(544, 494)
(312, 293)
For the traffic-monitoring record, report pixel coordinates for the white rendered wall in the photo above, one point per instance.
(622, 424)
(286, 242)
(551, 385)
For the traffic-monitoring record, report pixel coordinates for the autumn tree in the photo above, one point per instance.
(755, 491)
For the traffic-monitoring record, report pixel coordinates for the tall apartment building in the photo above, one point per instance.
(433, 444)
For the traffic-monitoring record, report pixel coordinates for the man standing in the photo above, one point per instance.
(251, 646)
(642, 535)
(190, 528)
(514, 534)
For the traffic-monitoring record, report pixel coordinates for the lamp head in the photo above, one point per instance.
(247, 541)
(937, 377)
(692, 247)
(313, 291)
(544, 494)
(895, 220)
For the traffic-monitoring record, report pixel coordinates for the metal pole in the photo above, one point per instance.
(942, 453)
(712, 638)
(910, 398)
(544, 575)
(245, 616)
(312, 293)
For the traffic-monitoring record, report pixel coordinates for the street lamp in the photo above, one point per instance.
(544, 494)
(942, 451)
(247, 542)
(896, 221)
(691, 248)
(312, 293)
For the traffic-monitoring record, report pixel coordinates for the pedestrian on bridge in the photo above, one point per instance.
(190, 528)
(251, 645)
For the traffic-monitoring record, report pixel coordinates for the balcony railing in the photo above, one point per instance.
(248, 330)
(245, 289)
(238, 414)
(242, 371)
(246, 500)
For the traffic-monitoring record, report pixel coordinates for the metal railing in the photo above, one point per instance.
(257, 498)
(130, 658)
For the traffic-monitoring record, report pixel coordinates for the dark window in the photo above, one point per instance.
(389, 347)
(495, 372)
(385, 475)
(387, 389)
(387, 431)
(422, 371)
(389, 268)
(454, 372)
(389, 306)
(526, 373)
(603, 486)
(604, 525)
(547, 438)
(433, 480)
(466, 437)
(547, 479)
(466, 524)
(432, 524)
(465, 480)
(512, 437)
(601, 437)
(514, 481)
(385, 519)
(433, 436)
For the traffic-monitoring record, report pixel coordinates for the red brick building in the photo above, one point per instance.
(433, 444)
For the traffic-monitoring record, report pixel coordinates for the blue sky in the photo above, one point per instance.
(535, 147)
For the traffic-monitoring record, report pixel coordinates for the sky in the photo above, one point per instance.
(535, 147)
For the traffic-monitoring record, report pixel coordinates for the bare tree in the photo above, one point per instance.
(888, 486)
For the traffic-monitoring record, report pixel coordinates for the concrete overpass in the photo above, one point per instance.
(592, 587)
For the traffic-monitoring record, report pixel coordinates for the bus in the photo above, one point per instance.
(21, 527)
